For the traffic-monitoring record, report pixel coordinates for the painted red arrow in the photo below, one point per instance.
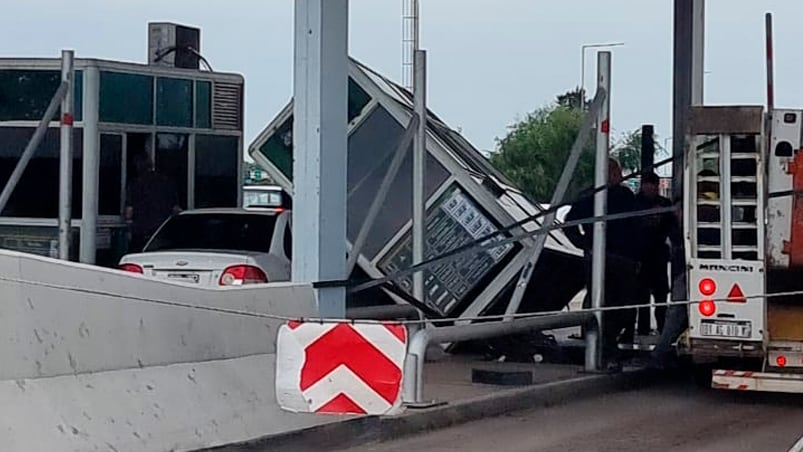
(344, 346)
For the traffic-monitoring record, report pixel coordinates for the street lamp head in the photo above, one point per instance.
(604, 44)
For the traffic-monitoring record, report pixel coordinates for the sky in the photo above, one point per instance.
(490, 62)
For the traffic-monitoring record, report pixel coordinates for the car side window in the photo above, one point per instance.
(288, 241)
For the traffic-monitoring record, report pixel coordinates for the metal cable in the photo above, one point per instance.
(254, 314)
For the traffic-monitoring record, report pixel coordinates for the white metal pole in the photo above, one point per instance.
(66, 155)
(320, 74)
(582, 76)
(419, 159)
(594, 337)
(91, 165)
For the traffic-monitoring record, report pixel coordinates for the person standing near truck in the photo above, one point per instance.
(621, 260)
(653, 281)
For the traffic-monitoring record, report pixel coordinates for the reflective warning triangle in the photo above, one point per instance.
(736, 295)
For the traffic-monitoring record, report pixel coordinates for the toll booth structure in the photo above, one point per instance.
(190, 122)
(466, 199)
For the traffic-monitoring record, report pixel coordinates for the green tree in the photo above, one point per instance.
(628, 151)
(535, 150)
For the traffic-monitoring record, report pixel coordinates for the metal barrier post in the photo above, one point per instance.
(65, 157)
(413, 387)
(36, 139)
(594, 339)
(419, 167)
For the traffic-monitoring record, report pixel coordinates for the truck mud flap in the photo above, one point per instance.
(757, 381)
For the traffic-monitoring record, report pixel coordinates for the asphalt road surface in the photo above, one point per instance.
(669, 417)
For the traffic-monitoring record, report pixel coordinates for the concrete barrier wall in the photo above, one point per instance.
(47, 330)
(171, 408)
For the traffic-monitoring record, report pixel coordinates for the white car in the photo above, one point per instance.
(217, 247)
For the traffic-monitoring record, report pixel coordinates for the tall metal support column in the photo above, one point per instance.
(697, 52)
(594, 337)
(320, 148)
(419, 166)
(687, 90)
(91, 165)
(65, 157)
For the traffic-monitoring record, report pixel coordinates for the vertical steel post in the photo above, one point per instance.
(320, 142)
(91, 165)
(66, 155)
(647, 148)
(698, 52)
(419, 167)
(770, 74)
(594, 337)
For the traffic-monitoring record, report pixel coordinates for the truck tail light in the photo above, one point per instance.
(238, 275)
(707, 287)
(133, 268)
(707, 308)
(781, 361)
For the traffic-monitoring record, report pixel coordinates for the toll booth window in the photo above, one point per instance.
(110, 177)
(216, 168)
(278, 149)
(172, 156)
(25, 94)
(203, 105)
(358, 99)
(37, 193)
(174, 102)
(126, 98)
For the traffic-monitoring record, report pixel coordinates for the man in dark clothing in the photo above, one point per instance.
(621, 266)
(654, 257)
(150, 199)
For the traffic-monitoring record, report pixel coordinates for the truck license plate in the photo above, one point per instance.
(726, 329)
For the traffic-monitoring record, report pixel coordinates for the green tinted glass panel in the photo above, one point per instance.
(279, 147)
(358, 99)
(174, 102)
(126, 98)
(25, 95)
(203, 105)
(216, 167)
(79, 95)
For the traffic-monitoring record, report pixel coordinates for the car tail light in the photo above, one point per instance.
(707, 287)
(133, 268)
(707, 308)
(781, 361)
(237, 275)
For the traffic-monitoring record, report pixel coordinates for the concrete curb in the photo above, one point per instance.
(369, 429)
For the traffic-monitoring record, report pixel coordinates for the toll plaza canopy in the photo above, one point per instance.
(189, 122)
(466, 199)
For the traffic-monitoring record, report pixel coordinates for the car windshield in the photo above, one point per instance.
(215, 231)
(262, 198)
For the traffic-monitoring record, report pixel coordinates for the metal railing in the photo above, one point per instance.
(413, 389)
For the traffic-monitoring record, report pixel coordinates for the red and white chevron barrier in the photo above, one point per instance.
(340, 368)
